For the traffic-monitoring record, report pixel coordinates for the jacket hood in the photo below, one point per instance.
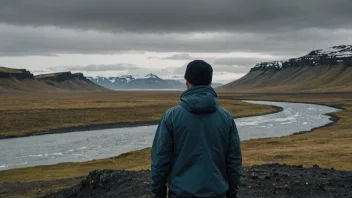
(200, 99)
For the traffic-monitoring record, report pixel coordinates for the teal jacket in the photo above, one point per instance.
(196, 149)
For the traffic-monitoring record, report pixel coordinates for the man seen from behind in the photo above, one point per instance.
(196, 149)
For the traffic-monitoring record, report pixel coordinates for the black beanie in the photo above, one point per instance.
(199, 72)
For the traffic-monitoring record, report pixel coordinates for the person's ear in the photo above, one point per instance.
(187, 84)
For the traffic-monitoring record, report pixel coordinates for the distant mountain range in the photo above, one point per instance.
(21, 80)
(150, 81)
(324, 70)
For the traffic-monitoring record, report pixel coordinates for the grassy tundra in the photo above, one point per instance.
(34, 114)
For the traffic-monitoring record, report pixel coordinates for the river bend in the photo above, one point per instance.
(89, 145)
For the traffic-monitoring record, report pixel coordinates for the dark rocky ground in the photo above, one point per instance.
(262, 181)
(17, 189)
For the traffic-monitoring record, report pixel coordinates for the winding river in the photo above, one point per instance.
(89, 145)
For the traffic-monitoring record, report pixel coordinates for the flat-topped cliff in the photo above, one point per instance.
(15, 73)
(324, 70)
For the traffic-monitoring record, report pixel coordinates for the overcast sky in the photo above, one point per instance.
(116, 37)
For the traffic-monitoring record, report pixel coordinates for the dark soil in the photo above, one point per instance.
(262, 181)
(20, 188)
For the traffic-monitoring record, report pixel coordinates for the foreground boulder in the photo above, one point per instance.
(271, 180)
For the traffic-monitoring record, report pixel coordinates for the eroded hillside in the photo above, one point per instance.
(21, 80)
(328, 70)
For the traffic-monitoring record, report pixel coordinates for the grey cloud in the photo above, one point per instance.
(112, 67)
(235, 61)
(217, 69)
(239, 61)
(162, 16)
(277, 27)
(187, 57)
(20, 41)
(231, 69)
(178, 57)
(182, 56)
(180, 70)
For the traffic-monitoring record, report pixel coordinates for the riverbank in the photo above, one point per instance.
(329, 147)
(38, 114)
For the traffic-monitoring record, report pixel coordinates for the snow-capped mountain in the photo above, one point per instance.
(325, 70)
(149, 81)
(151, 75)
(341, 54)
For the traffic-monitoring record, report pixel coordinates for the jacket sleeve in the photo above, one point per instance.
(161, 155)
(234, 162)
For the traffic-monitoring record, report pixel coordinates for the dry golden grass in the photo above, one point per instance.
(31, 114)
(37, 192)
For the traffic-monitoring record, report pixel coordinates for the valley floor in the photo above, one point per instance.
(28, 114)
(330, 147)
